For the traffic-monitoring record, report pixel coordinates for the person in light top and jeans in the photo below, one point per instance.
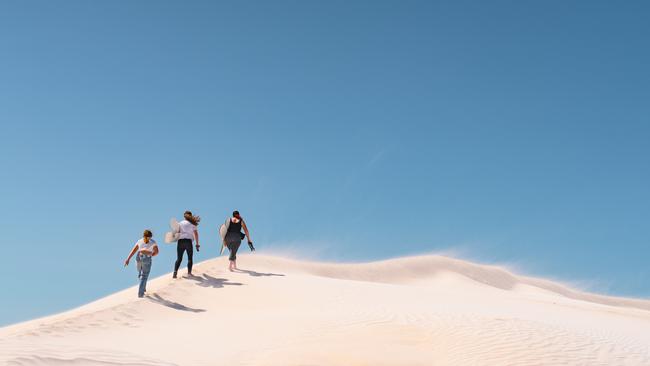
(188, 232)
(146, 248)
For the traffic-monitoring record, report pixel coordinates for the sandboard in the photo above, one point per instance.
(175, 233)
(223, 230)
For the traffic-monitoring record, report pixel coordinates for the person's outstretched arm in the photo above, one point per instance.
(248, 235)
(135, 249)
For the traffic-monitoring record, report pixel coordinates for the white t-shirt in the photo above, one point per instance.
(187, 230)
(146, 246)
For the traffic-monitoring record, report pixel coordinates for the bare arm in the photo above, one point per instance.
(196, 237)
(248, 235)
(155, 251)
(135, 249)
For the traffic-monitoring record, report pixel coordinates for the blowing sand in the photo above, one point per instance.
(427, 310)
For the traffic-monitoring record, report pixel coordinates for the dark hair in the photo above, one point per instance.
(147, 234)
(235, 213)
(191, 218)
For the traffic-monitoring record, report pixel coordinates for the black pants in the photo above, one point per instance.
(233, 247)
(184, 245)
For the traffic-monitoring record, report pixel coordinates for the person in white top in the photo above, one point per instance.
(188, 233)
(146, 248)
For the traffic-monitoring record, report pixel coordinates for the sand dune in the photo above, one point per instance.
(427, 310)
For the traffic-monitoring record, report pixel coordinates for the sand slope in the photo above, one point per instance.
(427, 310)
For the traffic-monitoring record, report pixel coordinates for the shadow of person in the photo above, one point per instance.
(209, 281)
(174, 305)
(258, 274)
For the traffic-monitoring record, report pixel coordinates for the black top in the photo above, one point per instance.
(234, 227)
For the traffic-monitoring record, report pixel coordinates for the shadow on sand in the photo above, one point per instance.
(209, 281)
(258, 274)
(174, 305)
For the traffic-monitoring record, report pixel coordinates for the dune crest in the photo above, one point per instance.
(418, 268)
(425, 310)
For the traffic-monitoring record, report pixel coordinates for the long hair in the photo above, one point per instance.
(191, 218)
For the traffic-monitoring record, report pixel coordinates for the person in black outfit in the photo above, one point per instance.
(234, 237)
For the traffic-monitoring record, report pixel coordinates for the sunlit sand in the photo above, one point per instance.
(426, 310)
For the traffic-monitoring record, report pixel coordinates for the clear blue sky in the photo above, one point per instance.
(510, 131)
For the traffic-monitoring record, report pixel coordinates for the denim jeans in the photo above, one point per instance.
(144, 267)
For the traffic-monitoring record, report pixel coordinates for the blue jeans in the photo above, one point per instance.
(144, 267)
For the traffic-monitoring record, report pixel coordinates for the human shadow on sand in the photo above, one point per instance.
(174, 305)
(209, 281)
(258, 274)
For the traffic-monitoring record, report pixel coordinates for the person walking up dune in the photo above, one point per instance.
(234, 237)
(146, 248)
(188, 233)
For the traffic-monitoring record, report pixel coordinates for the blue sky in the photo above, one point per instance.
(508, 132)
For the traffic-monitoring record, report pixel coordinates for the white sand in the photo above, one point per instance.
(427, 310)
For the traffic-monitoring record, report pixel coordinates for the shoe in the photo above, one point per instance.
(174, 275)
